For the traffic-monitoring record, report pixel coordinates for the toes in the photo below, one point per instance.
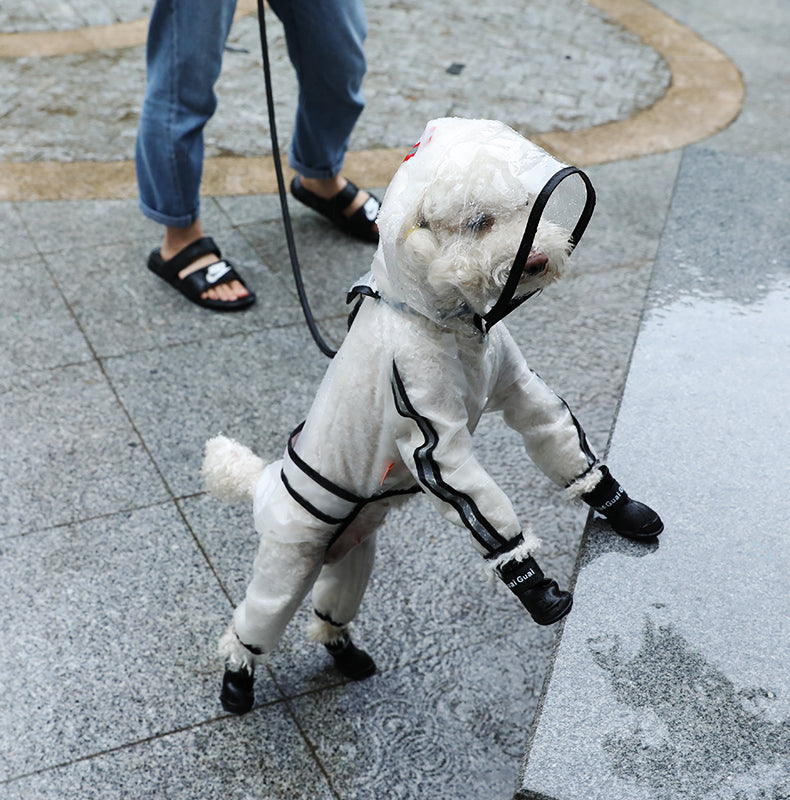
(235, 290)
(226, 292)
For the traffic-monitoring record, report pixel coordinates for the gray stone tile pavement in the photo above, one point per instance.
(119, 573)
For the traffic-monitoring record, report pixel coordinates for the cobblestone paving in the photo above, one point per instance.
(56, 15)
(425, 60)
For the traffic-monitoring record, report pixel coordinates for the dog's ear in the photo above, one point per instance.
(424, 261)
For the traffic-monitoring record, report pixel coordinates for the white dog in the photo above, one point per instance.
(397, 408)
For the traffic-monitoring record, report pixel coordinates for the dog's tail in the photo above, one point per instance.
(230, 470)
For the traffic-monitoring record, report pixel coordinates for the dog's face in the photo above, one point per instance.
(462, 234)
(454, 215)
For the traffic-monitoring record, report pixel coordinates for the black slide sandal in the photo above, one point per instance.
(201, 280)
(360, 224)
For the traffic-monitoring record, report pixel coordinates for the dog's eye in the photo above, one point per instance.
(480, 222)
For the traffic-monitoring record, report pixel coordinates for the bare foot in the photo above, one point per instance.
(176, 239)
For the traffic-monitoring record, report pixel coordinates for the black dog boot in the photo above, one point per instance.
(238, 694)
(350, 660)
(628, 517)
(542, 597)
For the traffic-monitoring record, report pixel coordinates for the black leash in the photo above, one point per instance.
(278, 168)
(507, 300)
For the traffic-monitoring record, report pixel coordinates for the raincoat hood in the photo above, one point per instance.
(458, 171)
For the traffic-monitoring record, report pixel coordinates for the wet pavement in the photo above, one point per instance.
(667, 339)
(671, 677)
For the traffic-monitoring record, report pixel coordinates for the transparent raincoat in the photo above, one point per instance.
(398, 406)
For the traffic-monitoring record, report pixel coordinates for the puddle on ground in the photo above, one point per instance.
(698, 735)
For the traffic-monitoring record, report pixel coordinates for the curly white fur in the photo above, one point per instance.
(399, 404)
(585, 484)
(230, 469)
(464, 250)
(527, 548)
(234, 653)
(324, 632)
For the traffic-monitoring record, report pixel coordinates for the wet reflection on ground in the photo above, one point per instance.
(695, 728)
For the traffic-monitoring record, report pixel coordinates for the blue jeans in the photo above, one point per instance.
(186, 40)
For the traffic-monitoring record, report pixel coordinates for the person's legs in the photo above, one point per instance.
(325, 43)
(184, 50)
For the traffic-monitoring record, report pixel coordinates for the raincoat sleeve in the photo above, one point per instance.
(552, 435)
(434, 441)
